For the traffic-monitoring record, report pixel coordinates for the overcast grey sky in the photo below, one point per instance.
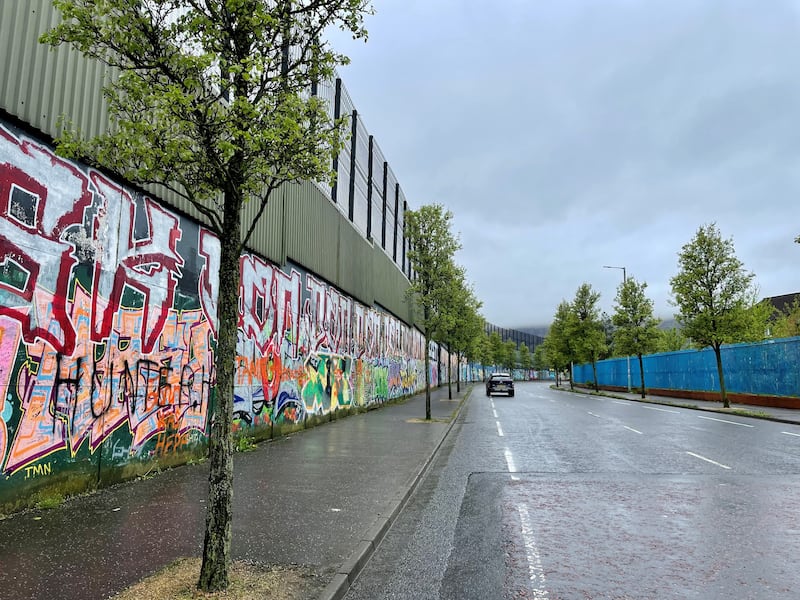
(565, 135)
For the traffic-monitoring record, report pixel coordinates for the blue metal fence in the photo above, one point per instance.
(771, 367)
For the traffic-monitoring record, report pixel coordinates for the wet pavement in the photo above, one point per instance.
(784, 415)
(559, 496)
(319, 498)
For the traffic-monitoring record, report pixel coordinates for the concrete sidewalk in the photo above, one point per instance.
(783, 415)
(322, 498)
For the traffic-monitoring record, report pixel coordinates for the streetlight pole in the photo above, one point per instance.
(624, 280)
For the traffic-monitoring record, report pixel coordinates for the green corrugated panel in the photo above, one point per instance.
(267, 239)
(39, 83)
(311, 230)
(355, 264)
(389, 285)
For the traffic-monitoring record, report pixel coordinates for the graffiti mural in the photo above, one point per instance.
(107, 326)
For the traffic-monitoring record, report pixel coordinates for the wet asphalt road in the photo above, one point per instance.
(553, 495)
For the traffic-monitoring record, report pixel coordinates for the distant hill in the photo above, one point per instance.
(669, 324)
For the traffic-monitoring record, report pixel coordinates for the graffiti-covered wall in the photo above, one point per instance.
(107, 335)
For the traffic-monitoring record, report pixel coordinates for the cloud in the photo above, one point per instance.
(568, 135)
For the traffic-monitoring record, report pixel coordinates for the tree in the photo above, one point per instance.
(496, 349)
(211, 102)
(559, 343)
(607, 325)
(483, 351)
(460, 321)
(587, 328)
(787, 321)
(636, 327)
(469, 326)
(475, 325)
(525, 359)
(715, 296)
(510, 356)
(540, 361)
(432, 247)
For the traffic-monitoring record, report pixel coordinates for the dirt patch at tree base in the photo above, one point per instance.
(248, 581)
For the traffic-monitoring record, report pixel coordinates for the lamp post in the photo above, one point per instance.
(624, 280)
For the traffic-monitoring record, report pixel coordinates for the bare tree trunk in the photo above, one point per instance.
(458, 373)
(723, 392)
(427, 381)
(594, 374)
(217, 543)
(449, 377)
(641, 372)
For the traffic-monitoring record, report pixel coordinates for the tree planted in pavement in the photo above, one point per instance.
(211, 100)
(525, 359)
(716, 296)
(497, 349)
(510, 356)
(587, 328)
(466, 323)
(636, 328)
(432, 247)
(559, 344)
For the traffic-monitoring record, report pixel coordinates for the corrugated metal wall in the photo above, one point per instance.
(39, 84)
(766, 368)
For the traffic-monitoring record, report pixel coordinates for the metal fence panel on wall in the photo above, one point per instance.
(360, 178)
(377, 191)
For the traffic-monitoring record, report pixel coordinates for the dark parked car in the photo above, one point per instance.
(500, 382)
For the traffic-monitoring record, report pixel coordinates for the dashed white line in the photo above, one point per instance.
(724, 421)
(535, 569)
(623, 403)
(713, 462)
(594, 415)
(494, 412)
(512, 467)
(632, 429)
(499, 429)
(790, 433)
(677, 412)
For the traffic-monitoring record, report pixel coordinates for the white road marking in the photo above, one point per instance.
(499, 429)
(512, 468)
(594, 415)
(494, 412)
(789, 433)
(713, 462)
(724, 421)
(677, 412)
(623, 403)
(534, 561)
(632, 429)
